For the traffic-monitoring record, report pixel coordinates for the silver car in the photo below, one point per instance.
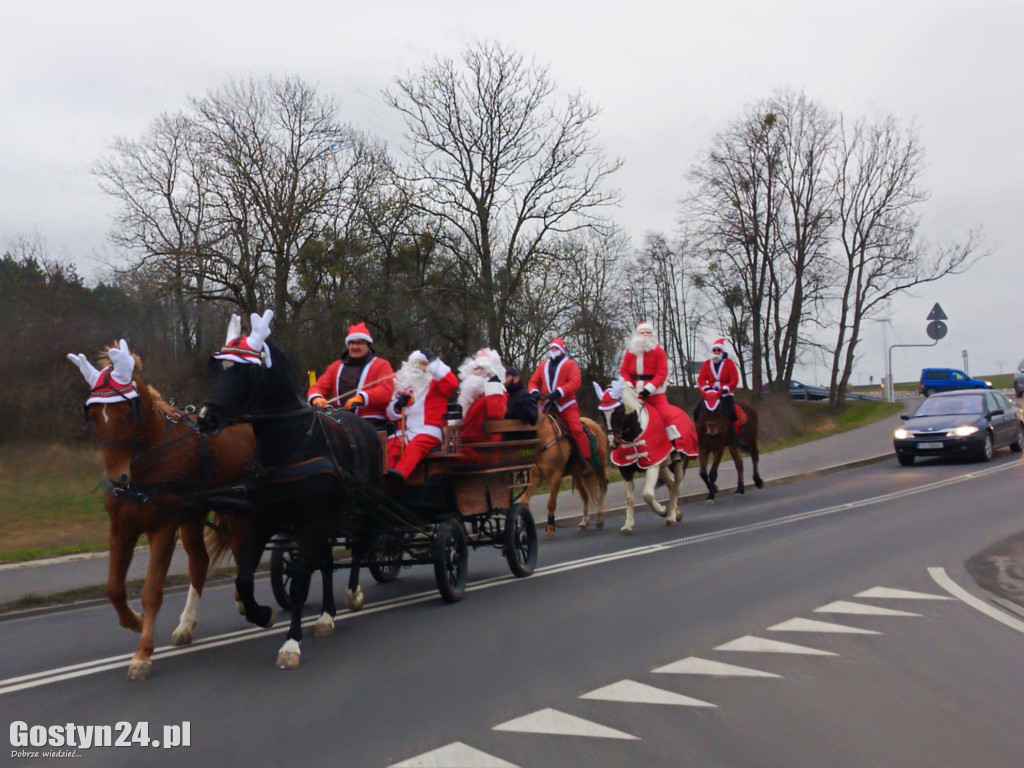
(1018, 380)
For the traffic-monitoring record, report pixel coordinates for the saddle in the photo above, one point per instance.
(562, 432)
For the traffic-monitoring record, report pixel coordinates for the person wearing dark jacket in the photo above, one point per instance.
(520, 404)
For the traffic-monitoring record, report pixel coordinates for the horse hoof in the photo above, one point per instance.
(709, 500)
(626, 531)
(758, 482)
(599, 523)
(240, 607)
(669, 522)
(355, 599)
(740, 491)
(269, 620)
(139, 670)
(289, 655)
(582, 525)
(324, 626)
(181, 636)
(549, 532)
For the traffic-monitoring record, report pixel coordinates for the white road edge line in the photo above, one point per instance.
(943, 580)
(46, 677)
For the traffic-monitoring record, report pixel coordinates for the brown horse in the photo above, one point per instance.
(153, 465)
(552, 462)
(715, 433)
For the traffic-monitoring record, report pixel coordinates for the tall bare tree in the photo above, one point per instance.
(881, 254)
(504, 164)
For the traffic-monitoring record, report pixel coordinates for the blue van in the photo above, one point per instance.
(947, 379)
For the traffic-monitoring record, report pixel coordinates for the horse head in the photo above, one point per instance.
(710, 413)
(116, 405)
(246, 381)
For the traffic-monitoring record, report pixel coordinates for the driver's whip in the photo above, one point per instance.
(346, 395)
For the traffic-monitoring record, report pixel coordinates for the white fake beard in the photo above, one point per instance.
(412, 380)
(640, 345)
(717, 358)
(470, 389)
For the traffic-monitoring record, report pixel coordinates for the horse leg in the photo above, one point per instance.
(161, 548)
(122, 545)
(627, 527)
(535, 478)
(650, 485)
(290, 653)
(668, 474)
(354, 593)
(255, 540)
(752, 450)
(237, 530)
(324, 626)
(738, 461)
(702, 454)
(198, 563)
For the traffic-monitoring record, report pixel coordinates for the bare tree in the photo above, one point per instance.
(878, 173)
(504, 165)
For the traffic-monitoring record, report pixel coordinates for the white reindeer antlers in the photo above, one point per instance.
(260, 329)
(124, 363)
(234, 328)
(89, 372)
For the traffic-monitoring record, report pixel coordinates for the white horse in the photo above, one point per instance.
(639, 445)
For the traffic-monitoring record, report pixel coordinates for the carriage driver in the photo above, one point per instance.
(364, 380)
(422, 388)
(557, 380)
(719, 373)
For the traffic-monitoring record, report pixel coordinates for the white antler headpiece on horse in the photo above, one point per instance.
(248, 349)
(112, 384)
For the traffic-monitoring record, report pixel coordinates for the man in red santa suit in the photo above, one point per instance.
(557, 380)
(645, 367)
(360, 381)
(422, 388)
(482, 394)
(720, 374)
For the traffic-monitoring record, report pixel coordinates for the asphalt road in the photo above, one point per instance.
(532, 672)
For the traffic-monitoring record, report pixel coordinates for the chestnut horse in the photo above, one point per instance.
(715, 433)
(552, 462)
(153, 465)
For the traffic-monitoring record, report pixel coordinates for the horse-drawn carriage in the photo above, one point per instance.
(462, 496)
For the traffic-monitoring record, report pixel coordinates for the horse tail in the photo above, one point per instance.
(217, 538)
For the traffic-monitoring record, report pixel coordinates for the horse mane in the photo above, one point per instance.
(157, 399)
(285, 370)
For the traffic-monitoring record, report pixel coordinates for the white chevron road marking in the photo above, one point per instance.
(632, 692)
(809, 625)
(843, 606)
(760, 645)
(886, 593)
(551, 721)
(696, 666)
(454, 755)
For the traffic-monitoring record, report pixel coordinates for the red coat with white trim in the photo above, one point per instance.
(490, 405)
(376, 396)
(726, 375)
(426, 416)
(653, 366)
(567, 381)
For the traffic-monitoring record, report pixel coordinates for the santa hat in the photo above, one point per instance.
(247, 349)
(645, 327)
(114, 383)
(719, 344)
(557, 343)
(417, 357)
(611, 398)
(489, 360)
(358, 332)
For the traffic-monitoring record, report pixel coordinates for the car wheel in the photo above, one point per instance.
(1018, 441)
(905, 459)
(988, 449)
(929, 392)
(1018, 393)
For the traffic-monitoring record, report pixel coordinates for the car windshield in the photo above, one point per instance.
(950, 406)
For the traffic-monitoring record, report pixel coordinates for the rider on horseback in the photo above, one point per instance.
(363, 379)
(557, 380)
(645, 367)
(720, 374)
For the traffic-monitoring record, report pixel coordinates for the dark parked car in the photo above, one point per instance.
(800, 391)
(971, 423)
(948, 379)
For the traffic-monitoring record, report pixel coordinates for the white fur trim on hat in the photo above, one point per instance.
(417, 357)
(645, 327)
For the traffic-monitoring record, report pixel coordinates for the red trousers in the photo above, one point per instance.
(571, 417)
(405, 461)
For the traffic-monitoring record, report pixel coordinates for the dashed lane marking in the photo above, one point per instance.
(693, 665)
(632, 692)
(886, 593)
(555, 723)
(761, 645)
(943, 580)
(858, 609)
(809, 625)
(454, 755)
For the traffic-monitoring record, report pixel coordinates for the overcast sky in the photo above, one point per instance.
(668, 76)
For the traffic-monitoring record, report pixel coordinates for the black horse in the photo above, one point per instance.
(316, 474)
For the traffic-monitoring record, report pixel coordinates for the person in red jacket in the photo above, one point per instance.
(721, 374)
(482, 394)
(422, 388)
(360, 381)
(645, 367)
(557, 380)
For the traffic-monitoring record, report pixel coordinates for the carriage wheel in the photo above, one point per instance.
(386, 557)
(520, 540)
(451, 560)
(282, 562)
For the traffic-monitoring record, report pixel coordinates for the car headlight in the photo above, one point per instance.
(901, 434)
(964, 431)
